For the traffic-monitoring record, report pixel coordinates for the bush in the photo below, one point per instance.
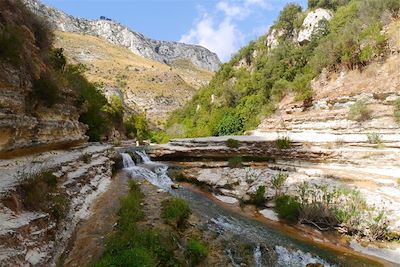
(230, 124)
(258, 197)
(287, 207)
(339, 206)
(283, 142)
(91, 100)
(11, 44)
(136, 127)
(359, 111)
(397, 110)
(235, 162)
(196, 251)
(278, 181)
(47, 89)
(176, 211)
(374, 138)
(232, 143)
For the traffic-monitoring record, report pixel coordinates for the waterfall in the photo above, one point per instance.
(155, 173)
(257, 256)
(144, 156)
(127, 160)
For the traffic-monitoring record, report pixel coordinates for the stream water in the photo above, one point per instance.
(270, 246)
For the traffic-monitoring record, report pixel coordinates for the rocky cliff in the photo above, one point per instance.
(29, 120)
(115, 33)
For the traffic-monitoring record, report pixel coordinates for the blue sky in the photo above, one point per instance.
(223, 26)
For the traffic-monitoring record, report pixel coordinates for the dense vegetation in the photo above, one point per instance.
(237, 98)
(26, 43)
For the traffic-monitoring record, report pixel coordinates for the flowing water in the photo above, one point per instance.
(271, 247)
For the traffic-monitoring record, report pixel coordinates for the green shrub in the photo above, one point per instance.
(287, 207)
(12, 44)
(278, 181)
(374, 138)
(397, 110)
(359, 111)
(176, 211)
(47, 89)
(235, 162)
(327, 208)
(136, 127)
(328, 4)
(196, 251)
(258, 197)
(230, 124)
(57, 59)
(232, 143)
(283, 142)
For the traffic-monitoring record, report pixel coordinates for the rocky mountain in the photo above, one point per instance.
(115, 33)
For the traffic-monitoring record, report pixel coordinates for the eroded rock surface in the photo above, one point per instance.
(36, 238)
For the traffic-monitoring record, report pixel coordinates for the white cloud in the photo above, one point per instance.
(233, 11)
(218, 31)
(222, 38)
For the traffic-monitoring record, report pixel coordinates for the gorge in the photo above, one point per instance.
(120, 150)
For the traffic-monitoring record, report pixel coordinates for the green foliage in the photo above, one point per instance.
(397, 110)
(328, 4)
(47, 89)
(327, 208)
(57, 59)
(287, 207)
(132, 244)
(258, 197)
(11, 44)
(230, 124)
(136, 127)
(359, 111)
(196, 251)
(374, 138)
(232, 143)
(176, 211)
(235, 162)
(283, 142)
(92, 101)
(242, 97)
(115, 109)
(278, 181)
(289, 19)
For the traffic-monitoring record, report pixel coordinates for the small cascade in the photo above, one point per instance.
(155, 173)
(144, 156)
(127, 160)
(257, 256)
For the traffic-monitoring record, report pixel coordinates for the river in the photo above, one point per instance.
(272, 246)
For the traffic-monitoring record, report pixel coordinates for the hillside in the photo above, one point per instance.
(115, 33)
(329, 39)
(143, 84)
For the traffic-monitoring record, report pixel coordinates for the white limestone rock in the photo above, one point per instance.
(311, 24)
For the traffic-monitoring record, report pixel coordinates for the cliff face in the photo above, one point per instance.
(27, 119)
(115, 33)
